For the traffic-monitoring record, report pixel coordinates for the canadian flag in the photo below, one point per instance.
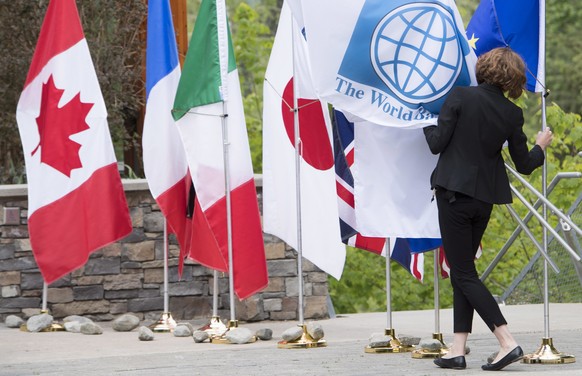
(76, 202)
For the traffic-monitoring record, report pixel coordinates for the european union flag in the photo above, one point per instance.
(515, 24)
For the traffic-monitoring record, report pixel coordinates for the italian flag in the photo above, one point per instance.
(208, 101)
(76, 202)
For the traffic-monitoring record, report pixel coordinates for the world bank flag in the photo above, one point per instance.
(518, 24)
(395, 61)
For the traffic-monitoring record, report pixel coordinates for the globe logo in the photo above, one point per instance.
(416, 53)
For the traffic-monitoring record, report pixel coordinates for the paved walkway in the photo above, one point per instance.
(115, 353)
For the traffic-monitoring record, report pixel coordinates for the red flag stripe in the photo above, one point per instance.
(374, 245)
(415, 267)
(250, 268)
(88, 218)
(172, 203)
(350, 155)
(344, 194)
(61, 29)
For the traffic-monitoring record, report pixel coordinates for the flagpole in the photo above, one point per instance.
(215, 295)
(44, 308)
(426, 353)
(225, 147)
(305, 341)
(546, 353)
(166, 322)
(394, 345)
(233, 322)
(216, 327)
(298, 153)
(388, 287)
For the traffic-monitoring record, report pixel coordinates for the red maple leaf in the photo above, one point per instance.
(56, 125)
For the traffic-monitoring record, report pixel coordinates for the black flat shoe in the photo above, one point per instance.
(513, 356)
(458, 362)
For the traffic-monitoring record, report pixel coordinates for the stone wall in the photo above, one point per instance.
(128, 276)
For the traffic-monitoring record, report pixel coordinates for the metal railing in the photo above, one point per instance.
(527, 285)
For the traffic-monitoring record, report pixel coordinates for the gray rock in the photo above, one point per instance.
(292, 334)
(77, 318)
(188, 325)
(13, 321)
(125, 323)
(264, 334)
(430, 344)
(239, 336)
(200, 336)
(315, 330)
(39, 322)
(379, 340)
(145, 334)
(182, 331)
(73, 327)
(91, 328)
(407, 340)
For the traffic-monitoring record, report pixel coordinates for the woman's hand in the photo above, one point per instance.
(544, 138)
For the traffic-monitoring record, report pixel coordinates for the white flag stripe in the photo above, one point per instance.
(206, 159)
(397, 201)
(165, 162)
(73, 72)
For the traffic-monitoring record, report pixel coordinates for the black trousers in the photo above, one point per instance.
(462, 221)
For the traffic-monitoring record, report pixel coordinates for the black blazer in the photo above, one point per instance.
(473, 125)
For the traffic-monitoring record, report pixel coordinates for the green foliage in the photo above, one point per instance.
(21, 21)
(114, 35)
(564, 53)
(252, 46)
(362, 287)
(253, 25)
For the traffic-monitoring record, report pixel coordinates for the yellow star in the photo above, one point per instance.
(473, 42)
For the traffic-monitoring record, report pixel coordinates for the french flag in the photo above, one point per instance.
(408, 252)
(165, 163)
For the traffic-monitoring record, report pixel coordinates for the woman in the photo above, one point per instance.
(473, 125)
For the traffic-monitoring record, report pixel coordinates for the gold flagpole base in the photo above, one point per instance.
(425, 353)
(165, 324)
(215, 328)
(395, 345)
(547, 354)
(222, 340)
(55, 326)
(305, 342)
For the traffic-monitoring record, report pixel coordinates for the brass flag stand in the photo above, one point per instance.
(425, 353)
(394, 346)
(215, 328)
(55, 326)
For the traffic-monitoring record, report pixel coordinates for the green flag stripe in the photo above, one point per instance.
(200, 81)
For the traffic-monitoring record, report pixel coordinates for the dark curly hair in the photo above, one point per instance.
(504, 68)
